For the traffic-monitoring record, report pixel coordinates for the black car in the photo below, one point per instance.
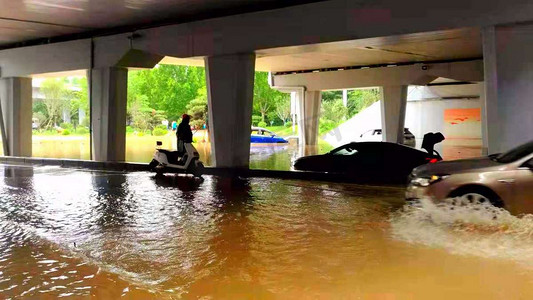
(369, 162)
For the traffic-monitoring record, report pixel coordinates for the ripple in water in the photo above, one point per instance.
(480, 230)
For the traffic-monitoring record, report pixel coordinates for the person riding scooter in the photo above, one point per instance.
(184, 133)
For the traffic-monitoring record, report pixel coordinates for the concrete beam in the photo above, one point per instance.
(109, 95)
(230, 86)
(508, 107)
(74, 55)
(16, 101)
(417, 74)
(393, 106)
(109, 51)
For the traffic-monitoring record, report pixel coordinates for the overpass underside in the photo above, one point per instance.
(308, 48)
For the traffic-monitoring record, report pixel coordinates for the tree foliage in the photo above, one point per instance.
(265, 97)
(360, 99)
(167, 88)
(197, 109)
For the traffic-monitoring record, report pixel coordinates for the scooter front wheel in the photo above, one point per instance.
(198, 169)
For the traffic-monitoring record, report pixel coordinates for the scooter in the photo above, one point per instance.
(166, 161)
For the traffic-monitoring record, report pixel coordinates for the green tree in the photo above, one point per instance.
(167, 88)
(197, 109)
(265, 97)
(360, 99)
(283, 110)
(55, 98)
(331, 95)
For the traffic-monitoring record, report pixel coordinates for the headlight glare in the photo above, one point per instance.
(426, 181)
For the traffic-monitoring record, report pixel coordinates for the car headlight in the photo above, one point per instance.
(426, 181)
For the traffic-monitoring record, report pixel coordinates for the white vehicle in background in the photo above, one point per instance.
(35, 123)
(375, 135)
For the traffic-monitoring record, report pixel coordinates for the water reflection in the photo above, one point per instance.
(106, 235)
(115, 205)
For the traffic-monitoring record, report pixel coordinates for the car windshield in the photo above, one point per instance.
(515, 154)
(344, 150)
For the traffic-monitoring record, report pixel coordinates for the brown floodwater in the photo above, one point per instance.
(80, 234)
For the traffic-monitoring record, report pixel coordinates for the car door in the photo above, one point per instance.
(523, 187)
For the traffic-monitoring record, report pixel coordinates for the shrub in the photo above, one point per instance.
(65, 132)
(129, 129)
(82, 130)
(262, 124)
(159, 132)
(161, 126)
(66, 126)
(288, 124)
(140, 133)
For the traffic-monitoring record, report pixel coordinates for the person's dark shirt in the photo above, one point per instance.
(184, 132)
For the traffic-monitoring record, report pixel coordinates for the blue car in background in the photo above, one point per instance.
(265, 136)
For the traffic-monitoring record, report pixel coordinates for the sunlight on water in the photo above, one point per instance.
(479, 230)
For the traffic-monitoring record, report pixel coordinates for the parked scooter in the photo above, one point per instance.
(167, 161)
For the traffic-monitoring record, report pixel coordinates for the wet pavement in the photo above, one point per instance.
(78, 233)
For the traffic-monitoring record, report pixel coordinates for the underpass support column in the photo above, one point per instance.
(109, 89)
(309, 116)
(393, 105)
(16, 101)
(230, 87)
(508, 67)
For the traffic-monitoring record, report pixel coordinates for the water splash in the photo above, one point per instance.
(477, 229)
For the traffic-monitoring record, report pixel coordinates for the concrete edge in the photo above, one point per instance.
(221, 172)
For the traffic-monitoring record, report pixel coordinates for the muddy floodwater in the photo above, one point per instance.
(81, 234)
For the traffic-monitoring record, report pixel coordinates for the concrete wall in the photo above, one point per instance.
(509, 89)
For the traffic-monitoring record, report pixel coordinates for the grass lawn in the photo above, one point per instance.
(283, 131)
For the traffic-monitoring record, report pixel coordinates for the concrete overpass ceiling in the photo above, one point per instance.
(27, 20)
(424, 47)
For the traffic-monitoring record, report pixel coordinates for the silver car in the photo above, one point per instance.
(504, 180)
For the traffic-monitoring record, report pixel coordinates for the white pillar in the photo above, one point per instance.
(230, 86)
(109, 96)
(309, 116)
(16, 101)
(345, 98)
(393, 105)
(508, 68)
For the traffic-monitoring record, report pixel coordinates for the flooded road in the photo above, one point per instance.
(73, 233)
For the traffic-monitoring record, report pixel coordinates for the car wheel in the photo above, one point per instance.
(476, 196)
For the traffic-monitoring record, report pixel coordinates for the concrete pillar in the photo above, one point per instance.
(345, 98)
(309, 116)
(393, 105)
(508, 68)
(109, 96)
(16, 101)
(230, 87)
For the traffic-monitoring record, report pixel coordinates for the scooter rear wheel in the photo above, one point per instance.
(154, 163)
